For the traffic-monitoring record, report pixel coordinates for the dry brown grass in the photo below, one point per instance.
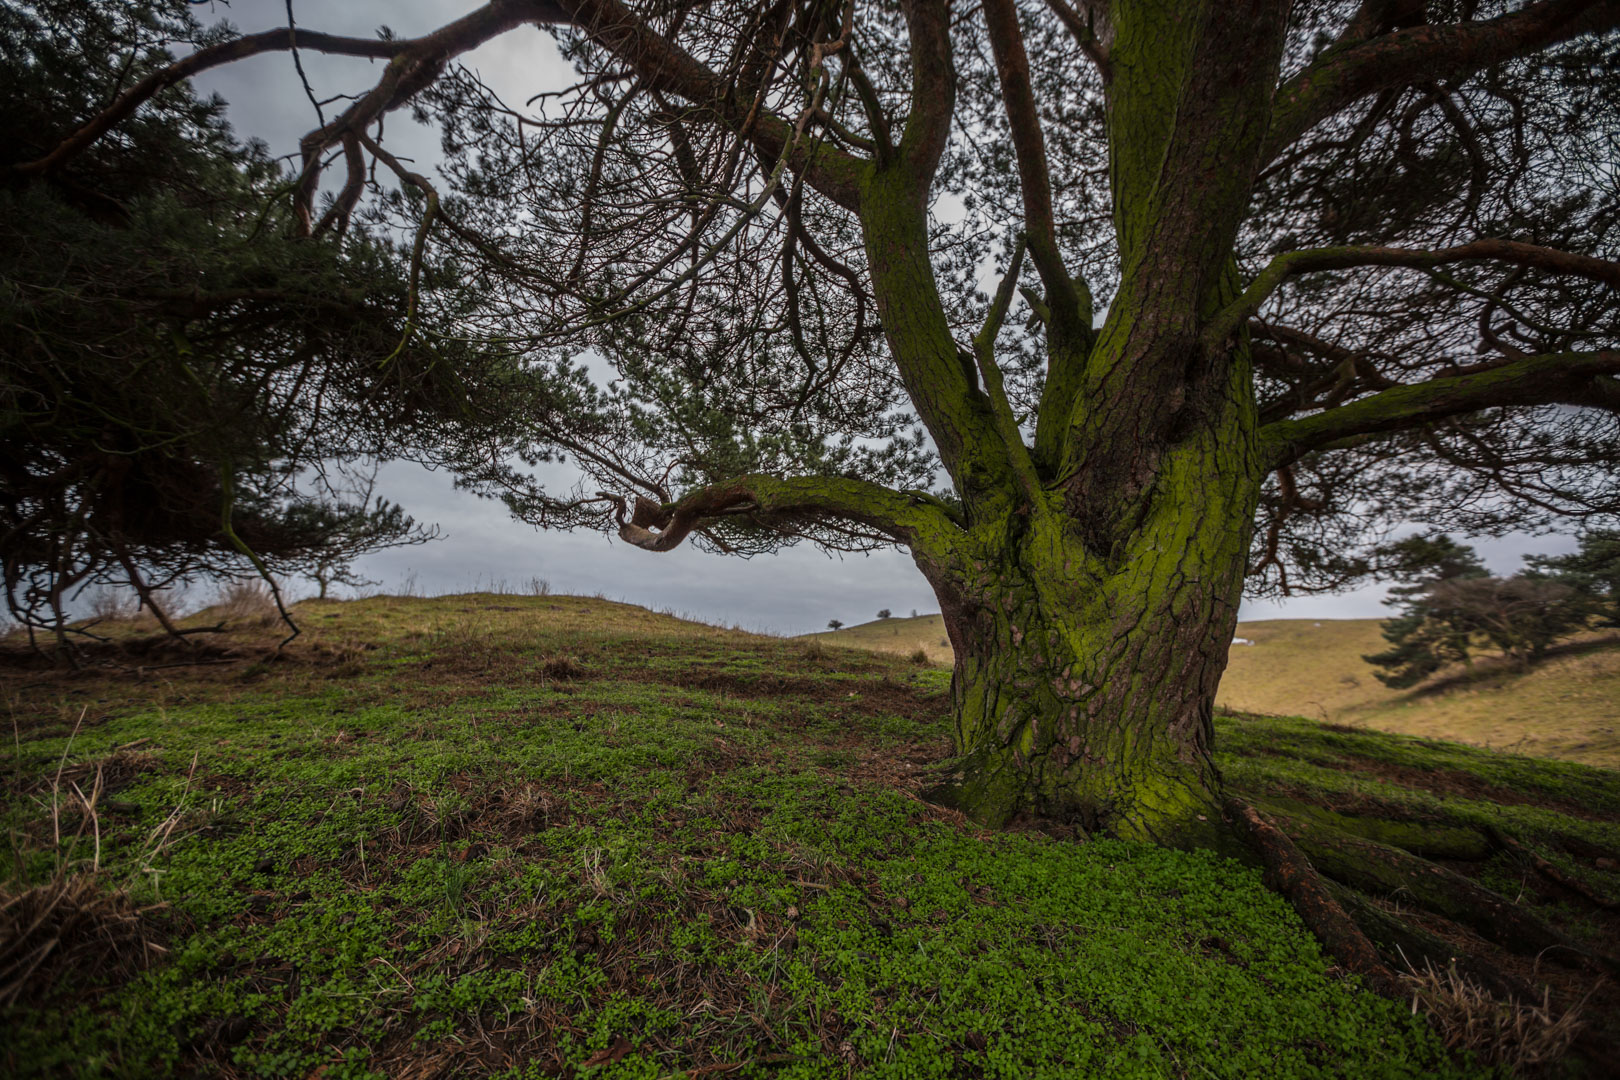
(1567, 706)
(246, 604)
(113, 605)
(72, 924)
(1513, 1034)
(905, 637)
(105, 775)
(562, 668)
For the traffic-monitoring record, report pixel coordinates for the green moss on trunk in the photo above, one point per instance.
(1085, 683)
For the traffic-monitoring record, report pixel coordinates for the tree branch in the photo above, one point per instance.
(1548, 379)
(984, 350)
(1034, 180)
(1345, 74)
(416, 62)
(1282, 267)
(904, 518)
(933, 88)
(665, 66)
(213, 56)
(1084, 32)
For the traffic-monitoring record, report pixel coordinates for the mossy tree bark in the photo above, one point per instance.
(1085, 681)
(1092, 596)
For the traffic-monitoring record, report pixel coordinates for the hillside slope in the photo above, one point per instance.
(1567, 707)
(550, 836)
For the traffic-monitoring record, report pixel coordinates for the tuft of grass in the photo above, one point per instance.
(246, 603)
(1518, 1036)
(562, 668)
(107, 604)
(72, 927)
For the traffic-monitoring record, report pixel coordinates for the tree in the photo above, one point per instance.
(1454, 607)
(1355, 266)
(184, 378)
(835, 624)
(348, 531)
(1593, 570)
(1421, 643)
(885, 613)
(1520, 615)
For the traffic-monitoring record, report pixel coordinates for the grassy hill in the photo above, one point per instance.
(1567, 707)
(530, 837)
(901, 636)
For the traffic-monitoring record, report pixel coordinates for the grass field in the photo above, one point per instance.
(1567, 707)
(533, 837)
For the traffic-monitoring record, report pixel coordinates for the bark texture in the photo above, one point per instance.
(1084, 686)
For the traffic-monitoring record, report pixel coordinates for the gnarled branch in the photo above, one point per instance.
(1555, 378)
(902, 517)
(1345, 74)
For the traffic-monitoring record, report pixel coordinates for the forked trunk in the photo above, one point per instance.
(1084, 686)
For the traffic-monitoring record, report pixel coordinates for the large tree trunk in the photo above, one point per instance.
(1084, 685)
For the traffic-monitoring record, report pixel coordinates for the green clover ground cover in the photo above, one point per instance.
(685, 853)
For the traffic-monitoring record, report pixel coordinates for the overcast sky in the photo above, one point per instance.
(791, 592)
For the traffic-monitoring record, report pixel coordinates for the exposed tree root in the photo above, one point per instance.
(1291, 874)
(1428, 839)
(1416, 948)
(1582, 848)
(1329, 873)
(1553, 874)
(1381, 870)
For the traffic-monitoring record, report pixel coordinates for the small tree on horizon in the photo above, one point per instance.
(885, 614)
(1451, 607)
(835, 624)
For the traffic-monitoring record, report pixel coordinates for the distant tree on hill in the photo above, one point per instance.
(348, 531)
(835, 624)
(1452, 607)
(1593, 570)
(1419, 645)
(885, 613)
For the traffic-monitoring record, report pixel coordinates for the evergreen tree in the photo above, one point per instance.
(182, 375)
(1593, 570)
(1423, 639)
(1451, 607)
(1357, 264)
